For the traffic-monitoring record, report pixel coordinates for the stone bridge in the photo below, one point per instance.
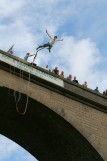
(63, 121)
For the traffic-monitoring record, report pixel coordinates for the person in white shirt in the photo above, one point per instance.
(51, 43)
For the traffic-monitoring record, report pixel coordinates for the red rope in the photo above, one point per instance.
(17, 109)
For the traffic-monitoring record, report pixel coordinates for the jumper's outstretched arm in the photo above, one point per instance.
(52, 38)
(49, 34)
(31, 55)
(59, 39)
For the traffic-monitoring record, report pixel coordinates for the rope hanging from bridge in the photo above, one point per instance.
(17, 100)
(27, 97)
(37, 52)
(21, 76)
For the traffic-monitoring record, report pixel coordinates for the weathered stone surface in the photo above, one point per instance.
(82, 108)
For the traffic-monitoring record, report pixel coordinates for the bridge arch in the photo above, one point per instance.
(43, 132)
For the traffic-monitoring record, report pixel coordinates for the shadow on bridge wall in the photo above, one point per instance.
(42, 132)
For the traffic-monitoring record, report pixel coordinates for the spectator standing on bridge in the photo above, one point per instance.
(62, 74)
(55, 71)
(85, 84)
(96, 89)
(75, 80)
(69, 77)
(27, 56)
(11, 50)
(47, 67)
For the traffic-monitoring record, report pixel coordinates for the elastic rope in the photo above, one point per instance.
(26, 106)
(17, 108)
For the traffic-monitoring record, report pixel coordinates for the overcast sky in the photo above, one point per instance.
(81, 23)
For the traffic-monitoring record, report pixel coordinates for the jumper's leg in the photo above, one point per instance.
(41, 46)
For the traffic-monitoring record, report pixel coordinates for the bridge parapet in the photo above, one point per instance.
(49, 80)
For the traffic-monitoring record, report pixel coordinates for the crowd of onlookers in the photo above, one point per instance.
(56, 71)
(69, 78)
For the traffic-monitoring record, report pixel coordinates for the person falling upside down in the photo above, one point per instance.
(49, 44)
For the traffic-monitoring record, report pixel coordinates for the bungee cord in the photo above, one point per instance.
(27, 97)
(17, 100)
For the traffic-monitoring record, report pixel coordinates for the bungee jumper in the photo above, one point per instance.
(49, 44)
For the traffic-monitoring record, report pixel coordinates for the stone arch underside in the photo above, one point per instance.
(42, 132)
